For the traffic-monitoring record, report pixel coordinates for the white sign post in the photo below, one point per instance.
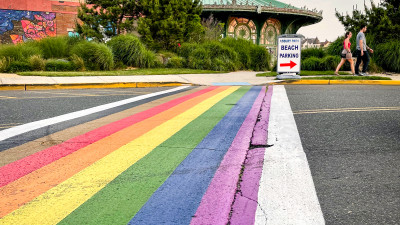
(289, 56)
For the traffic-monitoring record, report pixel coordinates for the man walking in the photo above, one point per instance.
(362, 53)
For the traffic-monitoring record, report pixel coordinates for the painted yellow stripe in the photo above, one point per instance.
(55, 204)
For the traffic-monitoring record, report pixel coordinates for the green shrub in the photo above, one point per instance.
(218, 53)
(260, 58)
(104, 57)
(148, 59)
(216, 49)
(19, 52)
(72, 41)
(176, 62)
(129, 50)
(18, 66)
(374, 67)
(329, 63)
(312, 52)
(54, 47)
(78, 63)
(187, 49)
(4, 64)
(312, 63)
(164, 56)
(387, 55)
(96, 56)
(243, 48)
(37, 62)
(199, 59)
(226, 55)
(59, 65)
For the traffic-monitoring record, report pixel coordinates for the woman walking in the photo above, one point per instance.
(346, 53)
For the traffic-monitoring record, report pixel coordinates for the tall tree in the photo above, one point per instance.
(106, 18)
(169, 22)
(383, 20)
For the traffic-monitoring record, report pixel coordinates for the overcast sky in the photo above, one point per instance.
(330, 27)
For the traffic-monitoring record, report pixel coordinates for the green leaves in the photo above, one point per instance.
(169, 22)
(103, 19)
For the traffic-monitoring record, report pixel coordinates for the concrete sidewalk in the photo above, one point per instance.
(195, 79)
(13, 81)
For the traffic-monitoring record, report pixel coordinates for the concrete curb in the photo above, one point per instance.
(337, 82)
(8, 87)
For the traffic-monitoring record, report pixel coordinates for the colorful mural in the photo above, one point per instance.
(18, 26)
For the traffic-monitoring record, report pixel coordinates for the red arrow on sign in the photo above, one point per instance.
(291, 64)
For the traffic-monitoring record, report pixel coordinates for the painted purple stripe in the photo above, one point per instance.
(216, 204)
(261, 129)
(245, 205)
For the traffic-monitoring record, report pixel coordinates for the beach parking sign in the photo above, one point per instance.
(289, 54)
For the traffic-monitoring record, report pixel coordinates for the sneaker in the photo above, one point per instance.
(363, 74)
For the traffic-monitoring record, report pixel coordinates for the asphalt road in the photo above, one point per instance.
(351, 136)
(21, 107)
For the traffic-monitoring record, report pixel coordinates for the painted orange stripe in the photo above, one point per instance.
(25, 189)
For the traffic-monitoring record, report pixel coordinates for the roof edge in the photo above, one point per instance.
(264, 9)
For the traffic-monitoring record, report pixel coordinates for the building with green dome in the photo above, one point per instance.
(260, 21)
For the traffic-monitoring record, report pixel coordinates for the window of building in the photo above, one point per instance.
(270, 32)
(243, 28)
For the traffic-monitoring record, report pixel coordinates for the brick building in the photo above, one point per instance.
(22, 20)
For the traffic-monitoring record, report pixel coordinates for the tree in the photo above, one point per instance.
(383, 20)
(106, 18)
(169, 22)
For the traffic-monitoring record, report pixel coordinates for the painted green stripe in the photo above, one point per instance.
(122, 198)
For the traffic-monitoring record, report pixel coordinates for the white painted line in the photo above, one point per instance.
(287, 194)
(12, 132)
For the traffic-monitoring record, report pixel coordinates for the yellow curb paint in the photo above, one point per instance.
(158, 84)
(369, 82)
(286, 82)
(89, 86)
(12, 87)
(57, 203)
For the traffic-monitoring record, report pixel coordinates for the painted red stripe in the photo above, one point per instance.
(20, 168)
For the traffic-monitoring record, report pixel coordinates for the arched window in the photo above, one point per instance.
(243, 28)
(270, 32)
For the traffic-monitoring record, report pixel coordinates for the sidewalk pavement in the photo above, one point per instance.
(13, 81)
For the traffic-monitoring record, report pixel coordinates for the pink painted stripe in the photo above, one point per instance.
(261, 128)
(245, 205)
(216, 204)
(20, 168)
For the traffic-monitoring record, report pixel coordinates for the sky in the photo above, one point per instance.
(329, 28)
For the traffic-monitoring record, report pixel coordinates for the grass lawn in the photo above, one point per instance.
(304, 73)
(135, 72)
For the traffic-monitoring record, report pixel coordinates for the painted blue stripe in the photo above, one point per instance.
(231, 84)
(177, 200)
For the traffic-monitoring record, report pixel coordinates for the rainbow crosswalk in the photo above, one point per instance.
(175, 163)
